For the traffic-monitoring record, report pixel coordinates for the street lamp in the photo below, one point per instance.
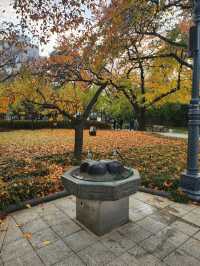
(190, 179)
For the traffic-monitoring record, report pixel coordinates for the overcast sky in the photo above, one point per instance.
(10, 12)
(10, 15)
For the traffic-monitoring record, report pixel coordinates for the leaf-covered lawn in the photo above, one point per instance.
(31, 162)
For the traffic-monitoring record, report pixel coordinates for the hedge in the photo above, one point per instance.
(40, 124)
(98, 125)
(168, 115)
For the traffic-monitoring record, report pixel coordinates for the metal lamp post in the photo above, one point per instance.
(190, 179)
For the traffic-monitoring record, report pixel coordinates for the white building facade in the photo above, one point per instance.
(14, 54)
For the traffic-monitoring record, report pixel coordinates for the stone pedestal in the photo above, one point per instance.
(102, 190)
(102, 216)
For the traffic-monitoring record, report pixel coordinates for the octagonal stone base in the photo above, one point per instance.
(101, 206)
(190, 184)
(103, 191)
(102, 216)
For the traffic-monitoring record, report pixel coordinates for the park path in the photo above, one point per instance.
(174, 135)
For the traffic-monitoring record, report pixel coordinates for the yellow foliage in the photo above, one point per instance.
(164, 78)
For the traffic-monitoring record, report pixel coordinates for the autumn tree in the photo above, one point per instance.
(8, 68)
(45, 18)
(69, 82)
(135, 34)
(148, 46)
(13, 44)
(68, 67)
(153, 82)
(4, 105)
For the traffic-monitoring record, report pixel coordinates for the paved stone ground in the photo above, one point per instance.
(160, 232)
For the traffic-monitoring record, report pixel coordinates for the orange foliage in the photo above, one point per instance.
(184, 26)
(4, 103)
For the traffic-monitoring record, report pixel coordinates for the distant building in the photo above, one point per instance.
(15, 53)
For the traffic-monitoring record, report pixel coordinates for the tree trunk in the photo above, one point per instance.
(78, 145)
(80, 122)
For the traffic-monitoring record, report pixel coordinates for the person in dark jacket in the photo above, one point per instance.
(114, 124)
(131, 124)
(136, 124)
(121, 123)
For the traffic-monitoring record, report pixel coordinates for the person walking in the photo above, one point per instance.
(136, 124)
(131, 124)
(114, 124)
(121, 124)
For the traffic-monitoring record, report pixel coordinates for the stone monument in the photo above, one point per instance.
(102, 189)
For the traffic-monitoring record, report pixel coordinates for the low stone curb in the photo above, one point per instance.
(61, 194)
(34, 202)
(155, 192)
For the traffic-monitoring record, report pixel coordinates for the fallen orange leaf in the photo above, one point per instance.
(19, 225)
(46, 242)
(27, 235)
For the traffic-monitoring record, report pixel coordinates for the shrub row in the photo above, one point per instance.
(40, 124)
(168, 115)
(98, 125)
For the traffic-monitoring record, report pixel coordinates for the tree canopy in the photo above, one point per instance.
(134, 50)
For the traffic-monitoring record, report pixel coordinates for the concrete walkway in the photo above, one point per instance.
(160, 232)
(174, 135)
